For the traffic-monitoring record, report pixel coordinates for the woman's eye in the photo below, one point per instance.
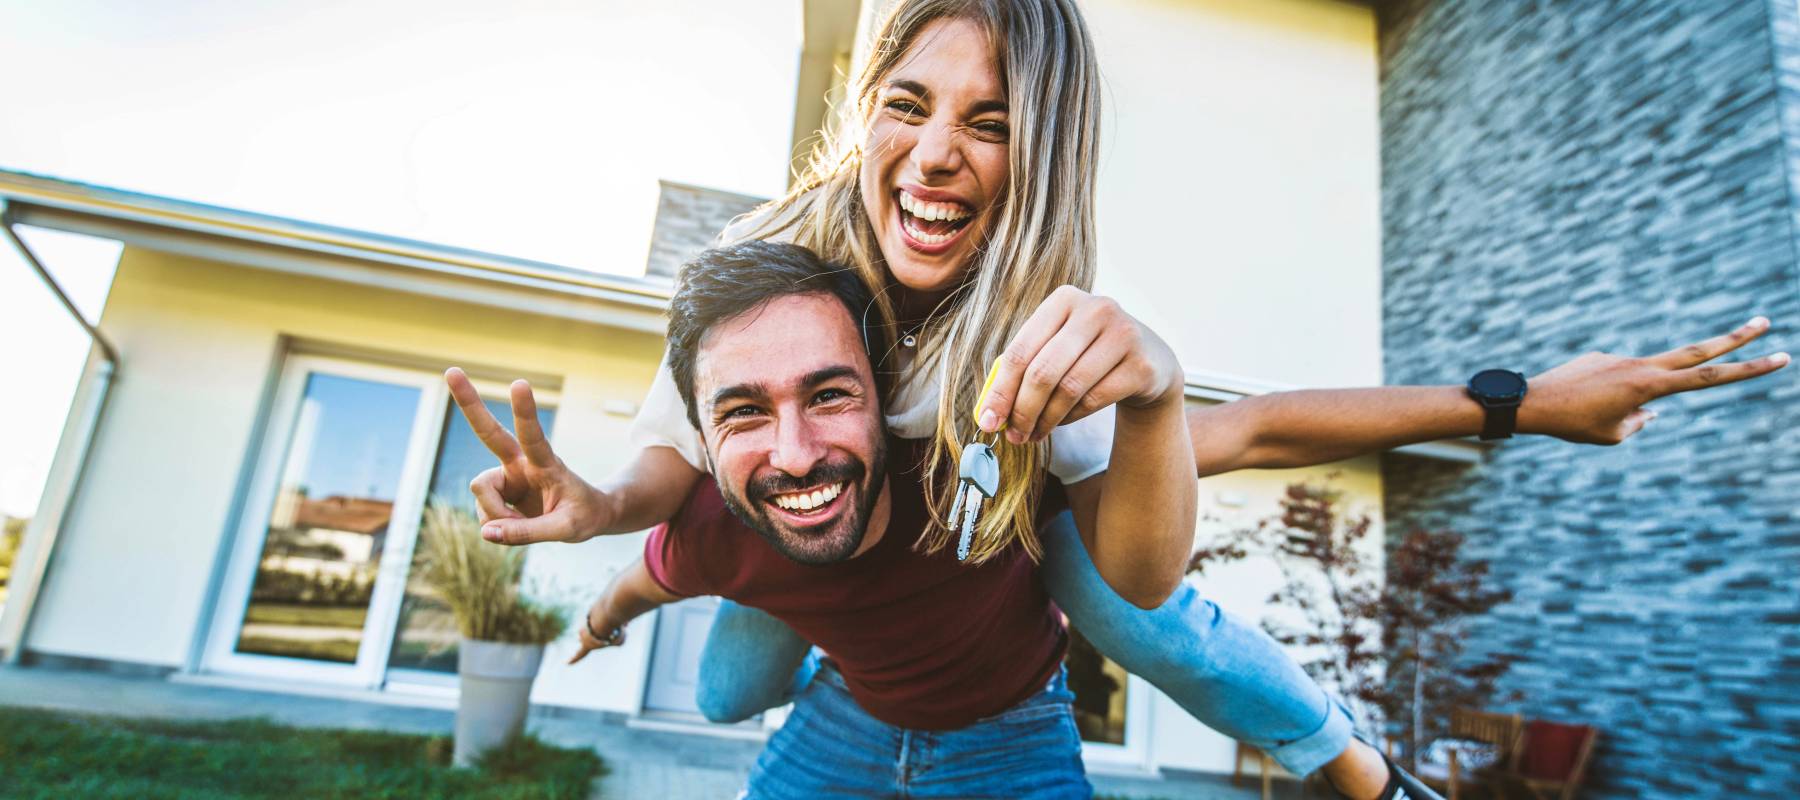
(905, 107)
(993, 128)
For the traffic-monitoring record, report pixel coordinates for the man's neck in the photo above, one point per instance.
(878, 520)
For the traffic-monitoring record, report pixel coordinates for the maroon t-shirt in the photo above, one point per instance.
(924, 642)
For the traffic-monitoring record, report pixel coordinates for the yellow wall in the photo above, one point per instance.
(199, 343)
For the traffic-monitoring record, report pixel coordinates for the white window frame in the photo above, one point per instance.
(1134, 755)
(370, 671)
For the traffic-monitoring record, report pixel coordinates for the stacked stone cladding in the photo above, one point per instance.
(1560, 177)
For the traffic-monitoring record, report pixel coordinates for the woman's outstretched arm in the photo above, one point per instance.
(1597, 398)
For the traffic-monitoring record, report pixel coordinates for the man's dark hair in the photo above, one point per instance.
(724, 282)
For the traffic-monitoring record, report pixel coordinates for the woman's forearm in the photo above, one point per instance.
(1145, 511)
(1318, 426)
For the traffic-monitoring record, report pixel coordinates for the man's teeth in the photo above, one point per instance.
(932, 211)
(807, 501)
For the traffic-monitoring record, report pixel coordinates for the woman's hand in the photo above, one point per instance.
(1598, 398)
(1076, 354)
(611, 634)
(532, 496)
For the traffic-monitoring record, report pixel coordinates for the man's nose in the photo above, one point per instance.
(937, 151)
(797, 447)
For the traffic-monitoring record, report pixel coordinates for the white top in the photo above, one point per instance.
(1078, 450)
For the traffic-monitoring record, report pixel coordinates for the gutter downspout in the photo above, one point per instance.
(60, 486)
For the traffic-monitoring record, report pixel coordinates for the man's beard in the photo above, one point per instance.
(833, 540)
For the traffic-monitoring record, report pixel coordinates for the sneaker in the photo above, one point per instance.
(1403, 786)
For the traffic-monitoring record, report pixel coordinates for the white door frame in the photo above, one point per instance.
(370, 668)
(1134, 754)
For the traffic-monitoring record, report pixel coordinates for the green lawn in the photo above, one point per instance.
(49, 754)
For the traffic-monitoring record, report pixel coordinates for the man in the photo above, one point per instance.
(943, 679)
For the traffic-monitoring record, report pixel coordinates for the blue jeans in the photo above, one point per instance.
(1228, 674)
(830, 747)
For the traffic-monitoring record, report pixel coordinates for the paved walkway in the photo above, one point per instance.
(644, 763)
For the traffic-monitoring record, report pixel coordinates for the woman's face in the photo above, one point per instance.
(935, 161)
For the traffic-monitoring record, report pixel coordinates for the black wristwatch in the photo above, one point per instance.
(1500, 392)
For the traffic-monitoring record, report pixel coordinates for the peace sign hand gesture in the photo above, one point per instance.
(1598, 398)
(532, 496)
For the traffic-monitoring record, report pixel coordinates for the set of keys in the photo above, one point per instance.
(977, 476)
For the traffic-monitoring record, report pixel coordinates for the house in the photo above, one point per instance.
(238, 491)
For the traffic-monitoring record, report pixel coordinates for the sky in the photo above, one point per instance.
(528, 129)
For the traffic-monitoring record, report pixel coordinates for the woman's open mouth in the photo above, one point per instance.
(930, 227)
(805, 509)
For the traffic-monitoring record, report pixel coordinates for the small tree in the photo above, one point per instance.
(1391, 648)
(1431, 594)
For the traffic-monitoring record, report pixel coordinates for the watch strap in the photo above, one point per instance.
(1501, 421)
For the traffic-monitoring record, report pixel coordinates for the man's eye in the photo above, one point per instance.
(829, 395)
(740, 412)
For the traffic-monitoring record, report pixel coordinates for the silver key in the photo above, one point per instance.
(978, 478)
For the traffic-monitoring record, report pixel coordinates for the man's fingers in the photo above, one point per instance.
(1709, 375)
(525, 424)
(1017, 357)
(1702, 352)
(525, 530)
(489, 497)
(486, 428)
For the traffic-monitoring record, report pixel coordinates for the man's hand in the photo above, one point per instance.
(598, 621)
(1599, 398)
(531, 496)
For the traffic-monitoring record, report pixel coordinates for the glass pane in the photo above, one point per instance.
(1099, 686)
(426, 636)
(330, 520)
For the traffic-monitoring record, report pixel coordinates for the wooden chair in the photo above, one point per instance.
(1500, 730)
(1552, 759)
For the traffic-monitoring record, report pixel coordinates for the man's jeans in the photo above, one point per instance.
(1226, 673)
(830, 747)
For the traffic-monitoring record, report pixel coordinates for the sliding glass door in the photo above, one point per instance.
(317, 588)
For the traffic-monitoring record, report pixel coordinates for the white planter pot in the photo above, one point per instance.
(496, 692)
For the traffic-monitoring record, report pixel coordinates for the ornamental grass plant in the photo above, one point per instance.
(479, 580)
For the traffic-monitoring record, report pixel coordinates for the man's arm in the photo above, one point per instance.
(631, 594)
(1595, 399)
(534, 497)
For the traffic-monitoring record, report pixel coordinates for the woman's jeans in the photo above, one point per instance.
(1229, 675)
(831, 747)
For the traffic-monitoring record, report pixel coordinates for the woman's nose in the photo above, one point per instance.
(936, 151)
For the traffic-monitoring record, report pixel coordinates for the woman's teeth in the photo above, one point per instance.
(807, 501)
(949, 212)
(923, 237)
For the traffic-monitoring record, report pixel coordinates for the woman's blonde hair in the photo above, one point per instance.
(1041, 237)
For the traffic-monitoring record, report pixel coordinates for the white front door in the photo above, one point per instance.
(681, 630)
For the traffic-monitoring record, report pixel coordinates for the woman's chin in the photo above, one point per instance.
(926, 279)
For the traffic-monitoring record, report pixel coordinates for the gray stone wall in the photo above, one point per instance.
(688, 220)
(1561, 177)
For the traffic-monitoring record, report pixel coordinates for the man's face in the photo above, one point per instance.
(791, 418)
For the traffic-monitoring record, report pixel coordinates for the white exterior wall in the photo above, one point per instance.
(199, 343)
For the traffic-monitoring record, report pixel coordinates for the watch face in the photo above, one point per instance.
(1497, 383)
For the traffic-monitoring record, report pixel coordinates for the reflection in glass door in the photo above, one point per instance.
(324, 536)
(425, 637)
(317, 588)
